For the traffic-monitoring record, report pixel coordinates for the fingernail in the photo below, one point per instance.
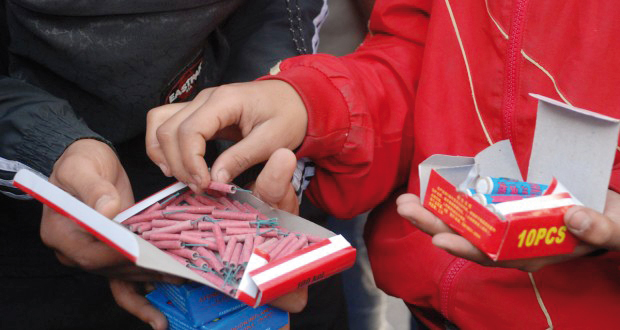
(164, 169)
(579, 222)
(197, 179)
(223, 176)
(102, 201)
(193, 187)
(153, 325)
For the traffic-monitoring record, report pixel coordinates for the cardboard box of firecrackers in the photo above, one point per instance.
(225, 239)
(484, 198)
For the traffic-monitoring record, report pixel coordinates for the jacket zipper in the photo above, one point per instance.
(513, 65)
(446, 283)
(513, 61)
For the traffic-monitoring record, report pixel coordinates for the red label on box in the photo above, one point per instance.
(537, 233)
(463, 214)
(522, 235)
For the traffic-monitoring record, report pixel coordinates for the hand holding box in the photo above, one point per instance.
(573, 145)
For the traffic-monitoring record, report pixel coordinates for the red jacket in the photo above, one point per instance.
(451, 77)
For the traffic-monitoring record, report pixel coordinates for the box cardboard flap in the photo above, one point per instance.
(498, 160)
(456, 175)
(285, 219)
(568, 139)
(248, 290)
(303, 267)
(435, 162)
(94, 222)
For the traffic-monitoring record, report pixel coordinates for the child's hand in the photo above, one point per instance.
(410, 208)
(262, 115)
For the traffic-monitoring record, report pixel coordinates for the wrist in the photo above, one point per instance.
(94, 150)
(289, 99)
(326, 112)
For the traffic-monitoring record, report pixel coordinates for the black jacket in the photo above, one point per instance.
(92, 69)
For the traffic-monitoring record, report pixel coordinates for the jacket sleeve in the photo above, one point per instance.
(263, 32)
(360, 110)
(35, 129)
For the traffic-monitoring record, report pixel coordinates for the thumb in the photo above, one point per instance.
(244, 154)
(108, 200)
(293, 302)
(273, 184)
(96, 191)
(86, 171)
(593, 228)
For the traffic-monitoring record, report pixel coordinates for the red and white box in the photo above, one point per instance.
(572, 146)
(262, 281)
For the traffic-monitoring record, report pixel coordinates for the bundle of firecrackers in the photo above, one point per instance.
(215, 235)
(505, 196)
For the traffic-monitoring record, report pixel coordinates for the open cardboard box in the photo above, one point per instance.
(262, 281)
(574, 146)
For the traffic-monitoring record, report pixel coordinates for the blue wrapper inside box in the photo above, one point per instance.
(231, 316)
(199, 302)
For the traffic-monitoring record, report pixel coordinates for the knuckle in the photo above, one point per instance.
(152, 152)
(597, 235)
(178, 172)
(152, 115)
(241, 161)
(225, 91)
(164, 134)
(64, 170)
(186, 130)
